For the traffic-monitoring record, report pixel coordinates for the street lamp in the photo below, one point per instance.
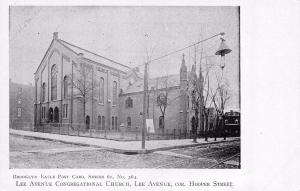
(222, 51)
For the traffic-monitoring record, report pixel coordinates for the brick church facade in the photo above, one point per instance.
(116, 95)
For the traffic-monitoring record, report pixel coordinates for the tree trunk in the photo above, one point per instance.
(206, 126)
(196, 125)
(163, 123)
(84, 115)
(223, 127)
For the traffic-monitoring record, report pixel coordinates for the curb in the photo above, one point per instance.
(125, 151)
(191, 145)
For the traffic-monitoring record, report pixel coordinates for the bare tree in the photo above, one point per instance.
(162, 99)
(84, 84)
(200, 94)
(219, 97)
(205, 99)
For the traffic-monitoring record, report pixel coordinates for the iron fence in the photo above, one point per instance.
(127, 134)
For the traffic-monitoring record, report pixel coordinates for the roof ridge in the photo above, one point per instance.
(93, 53)
(159, 77)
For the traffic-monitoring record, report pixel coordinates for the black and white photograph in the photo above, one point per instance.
(150, 95)
(124, 87)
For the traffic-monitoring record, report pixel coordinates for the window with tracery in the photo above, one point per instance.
(115, 89)
(128, 122)
(54, 82)
(101, 90)
(66, 87)
(43, 92)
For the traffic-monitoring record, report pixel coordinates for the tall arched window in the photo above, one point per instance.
(99, 122)
(112, 122)
(66, 87)
(115, 88)
(50, 113)
(43, 91)
(54, 82)
(56, 115)
(101, 90)
(116, 123)
(103, 122)
(128, 122)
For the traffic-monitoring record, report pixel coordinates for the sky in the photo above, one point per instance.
(127, 35)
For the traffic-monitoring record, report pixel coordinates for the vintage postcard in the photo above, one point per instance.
(128, 98)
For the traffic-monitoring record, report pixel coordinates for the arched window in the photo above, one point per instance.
(65, 110)
(129, 103)
(115, 89)
(19, 112)
(56, 115)
(103, 122)
(128, 122)
(43, 91)
(66, 87)
(50, 114)
(54, 82)
(112, 122)
(99, 122)
(101, 90)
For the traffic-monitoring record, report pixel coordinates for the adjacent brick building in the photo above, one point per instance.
(21, 101)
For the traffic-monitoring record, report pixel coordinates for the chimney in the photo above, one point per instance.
(55, 35)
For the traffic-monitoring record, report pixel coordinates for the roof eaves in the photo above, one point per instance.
(149, 91)
(95, 54)
(103, 65)
(67, 47)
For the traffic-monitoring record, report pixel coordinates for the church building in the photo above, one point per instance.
(76, 86)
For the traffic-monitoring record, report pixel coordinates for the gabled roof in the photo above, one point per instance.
(86, 54)
(135, 73)
(94, 57)
(49, 48)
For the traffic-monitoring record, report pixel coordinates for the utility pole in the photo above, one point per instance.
(145, 104)
(197, 111)
(202, 106)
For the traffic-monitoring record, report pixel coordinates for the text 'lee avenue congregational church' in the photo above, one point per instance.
(76, 86)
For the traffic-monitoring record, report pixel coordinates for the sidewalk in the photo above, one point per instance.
(119, 146)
